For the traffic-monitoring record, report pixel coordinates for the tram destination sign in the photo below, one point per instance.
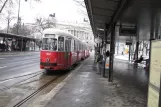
(127, 31)
(128, 43)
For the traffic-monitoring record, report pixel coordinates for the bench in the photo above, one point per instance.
(142, 64)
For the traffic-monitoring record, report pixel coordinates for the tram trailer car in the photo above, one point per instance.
(60, 50)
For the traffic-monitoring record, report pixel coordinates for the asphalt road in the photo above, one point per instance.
(16, 84)
(15, 65)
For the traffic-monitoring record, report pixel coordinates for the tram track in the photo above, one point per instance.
(26, 100)
(10, 86)
(16, 77)
(35, 92)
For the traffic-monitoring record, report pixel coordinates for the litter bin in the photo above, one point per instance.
(107, 66)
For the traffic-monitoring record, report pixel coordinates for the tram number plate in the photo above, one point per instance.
(47, 67)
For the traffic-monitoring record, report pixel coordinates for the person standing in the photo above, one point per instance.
(98, 61)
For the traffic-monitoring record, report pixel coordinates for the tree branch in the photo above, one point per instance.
(3, 5)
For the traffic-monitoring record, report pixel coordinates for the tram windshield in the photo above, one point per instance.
(49, 44)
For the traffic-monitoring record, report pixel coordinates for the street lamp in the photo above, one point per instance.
(18, 18)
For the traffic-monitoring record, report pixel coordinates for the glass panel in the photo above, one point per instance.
(49, 35)
(49, 44)
(72, 46)
(69, 45)
(60, 43)
(66, 45)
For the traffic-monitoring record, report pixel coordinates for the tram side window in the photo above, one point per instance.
(77, 46)
(69, 41)
(81, 47)
(67, 45)
(74, 45)
(60, 43)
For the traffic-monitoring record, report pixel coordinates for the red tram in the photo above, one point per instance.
(60, 50)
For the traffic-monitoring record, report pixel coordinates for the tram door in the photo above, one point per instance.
(67, 52)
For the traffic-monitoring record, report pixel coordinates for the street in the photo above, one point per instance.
(14, 65)
(21, 79)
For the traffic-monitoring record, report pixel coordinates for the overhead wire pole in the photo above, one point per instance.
(18, 18)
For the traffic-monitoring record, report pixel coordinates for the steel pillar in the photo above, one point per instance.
(112, 48)
(34, 45)
(22, 44)
(105, 44)
(157, 26)
(129, 51)
(151, 33)
(137, 50)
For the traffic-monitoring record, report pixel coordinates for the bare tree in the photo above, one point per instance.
(80, 3)
(9, 18)
(82, 8)
(43, 23)
(23, 30)
(4, 2)
(8, 14)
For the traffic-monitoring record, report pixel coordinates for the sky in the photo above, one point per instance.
(65, 10)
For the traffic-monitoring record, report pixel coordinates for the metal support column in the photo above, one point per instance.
(105, 44)
(137, 50)
(151, 33)
(34, 45)
(129, 51)
(118, 43)
(143, 48)
(130, 48)
(112, 47)
(22, 44)
(99, 46)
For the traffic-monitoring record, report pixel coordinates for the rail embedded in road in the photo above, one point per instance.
(27, 86)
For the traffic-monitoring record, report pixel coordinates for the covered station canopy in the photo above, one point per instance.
(137, 14)
(9, 35)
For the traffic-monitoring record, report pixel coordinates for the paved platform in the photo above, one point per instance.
(88, 89)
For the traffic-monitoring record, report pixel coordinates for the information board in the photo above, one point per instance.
(155, 72)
